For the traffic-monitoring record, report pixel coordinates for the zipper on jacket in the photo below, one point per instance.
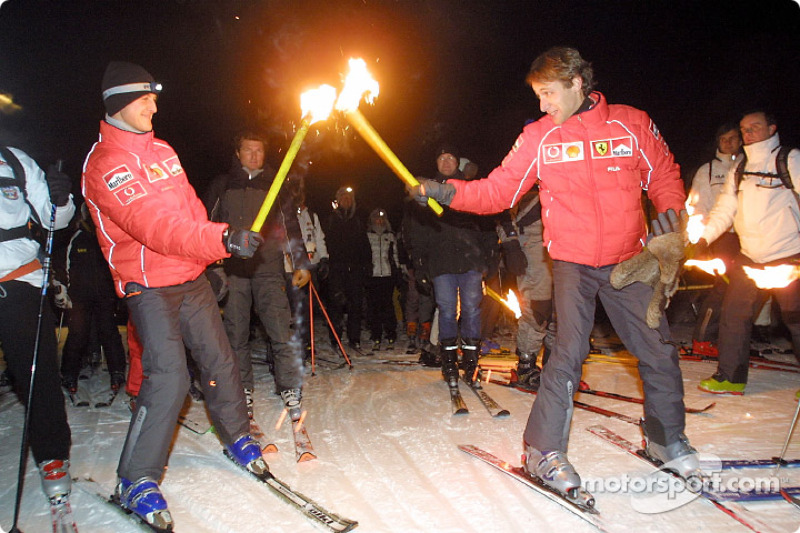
(598, 207)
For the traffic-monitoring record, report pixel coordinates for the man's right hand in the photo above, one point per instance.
(59, 184)
(241, 242)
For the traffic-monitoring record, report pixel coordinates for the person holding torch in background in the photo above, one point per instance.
(760, 199)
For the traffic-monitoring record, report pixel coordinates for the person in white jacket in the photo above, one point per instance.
(707, 184)
(766, 216)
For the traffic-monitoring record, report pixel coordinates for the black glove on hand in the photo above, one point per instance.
(516, 262)
(323, 269)
(241, 242)
(60, 186)
(422, 278)
(441, 192)
(670, 222)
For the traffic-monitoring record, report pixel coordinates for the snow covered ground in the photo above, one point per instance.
(388, 457)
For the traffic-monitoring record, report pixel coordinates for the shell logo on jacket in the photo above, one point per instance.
(591, 171)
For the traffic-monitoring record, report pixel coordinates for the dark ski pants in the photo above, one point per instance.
(267, 291)
(380, 305)
(575, 290)
(166, 318)
(743, 301)
(85, 311)
(19, 313)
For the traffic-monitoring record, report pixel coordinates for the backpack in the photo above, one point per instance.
(781, 165)
(17, 181)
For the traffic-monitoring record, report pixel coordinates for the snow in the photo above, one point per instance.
(387, 456)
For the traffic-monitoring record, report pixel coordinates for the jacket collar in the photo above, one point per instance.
(761, 150)
(132, 142)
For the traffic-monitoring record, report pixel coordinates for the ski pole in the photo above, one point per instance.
(23, 451)
(779, 460)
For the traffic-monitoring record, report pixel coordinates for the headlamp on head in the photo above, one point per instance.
(141, 87)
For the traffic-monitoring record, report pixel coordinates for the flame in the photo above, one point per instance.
(773, 277)
(695, 226)
(357, 84)
(512, 303)
(317, 104)
(714, 266)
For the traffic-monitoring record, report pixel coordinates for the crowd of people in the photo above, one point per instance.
(560, 220)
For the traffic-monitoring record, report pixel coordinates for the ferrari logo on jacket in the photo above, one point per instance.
(618, 147)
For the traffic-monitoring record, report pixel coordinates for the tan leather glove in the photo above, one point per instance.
(300, 278)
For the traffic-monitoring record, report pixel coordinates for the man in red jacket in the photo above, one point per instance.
(157, 239)
(592, 160)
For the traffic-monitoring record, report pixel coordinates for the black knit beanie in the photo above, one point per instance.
(448, 149)
(120, 85)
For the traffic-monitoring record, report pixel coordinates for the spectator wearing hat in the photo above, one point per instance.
(350, 263)
(157, 239)
(453, 251)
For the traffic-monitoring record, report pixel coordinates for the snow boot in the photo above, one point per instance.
(292, 402)
(411, 333)
(56, 481)
(376, 345)
(717, 384)
(143, 498)
(528, 375)
(449, 349)
(704, 349)
(117, 381)
(469, 360)
(554, 469)
(430, 356)
(246, 452)
(389, 345)
(677, 456)
(70, 384)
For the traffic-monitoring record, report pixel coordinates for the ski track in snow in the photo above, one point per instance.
(387, 457)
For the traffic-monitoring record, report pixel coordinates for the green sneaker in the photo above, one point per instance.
(714, 386)
(797, 395)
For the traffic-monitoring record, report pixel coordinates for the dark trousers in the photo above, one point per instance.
(380, 308)
(168, 320)
(85, 313)
(346, 295)
(742, 303)
(19, 311)
(726, 247)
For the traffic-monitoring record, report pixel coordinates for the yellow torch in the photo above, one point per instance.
(316, 105)
(511, 303)
(358, 84)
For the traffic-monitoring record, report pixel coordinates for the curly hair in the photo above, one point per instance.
(562, 64)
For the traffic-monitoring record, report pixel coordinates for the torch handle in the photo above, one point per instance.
(280, 177)
(384, 152)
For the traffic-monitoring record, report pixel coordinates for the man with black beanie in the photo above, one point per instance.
(157, 239)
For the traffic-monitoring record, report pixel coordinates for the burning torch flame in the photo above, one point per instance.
(511, 303)
(316, 105)
(773, 277)
(695, 226)
(359, 83)
(713, 266)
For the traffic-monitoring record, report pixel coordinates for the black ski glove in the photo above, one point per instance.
(60, 186)
(241, 242)
(516, 262)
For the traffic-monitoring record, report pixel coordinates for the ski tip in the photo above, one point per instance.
(306, 456)
(502, 414)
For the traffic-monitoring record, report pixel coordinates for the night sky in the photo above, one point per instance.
(450, 71)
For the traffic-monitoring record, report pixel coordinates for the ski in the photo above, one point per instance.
(730, 464)
(95, 490)
(300, 502)
(193, 425)
(732, 509)
(585, 389)
(488, 402)
(456, 401)
(104, 398)
(794, 499)
(63, 521)
(256, 433)
(303, 449)
(583, 511)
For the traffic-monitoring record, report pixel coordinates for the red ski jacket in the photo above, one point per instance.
(591, 171)
(152, 228)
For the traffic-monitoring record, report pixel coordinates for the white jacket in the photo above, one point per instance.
(765, 214)
(384, 253)
(313, 238)
(709, 180)
(14, 212)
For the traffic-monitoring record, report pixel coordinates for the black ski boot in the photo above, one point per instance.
(527, 375)
(449, 349)
(469, 361)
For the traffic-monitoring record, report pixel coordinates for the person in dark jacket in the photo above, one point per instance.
(91, 291)
(454, 254)
(236, 198)
(350, 264)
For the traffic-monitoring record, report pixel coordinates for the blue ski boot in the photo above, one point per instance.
(143, 498)
(246, 453)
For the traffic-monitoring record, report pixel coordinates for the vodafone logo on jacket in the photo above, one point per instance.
(562, 152)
